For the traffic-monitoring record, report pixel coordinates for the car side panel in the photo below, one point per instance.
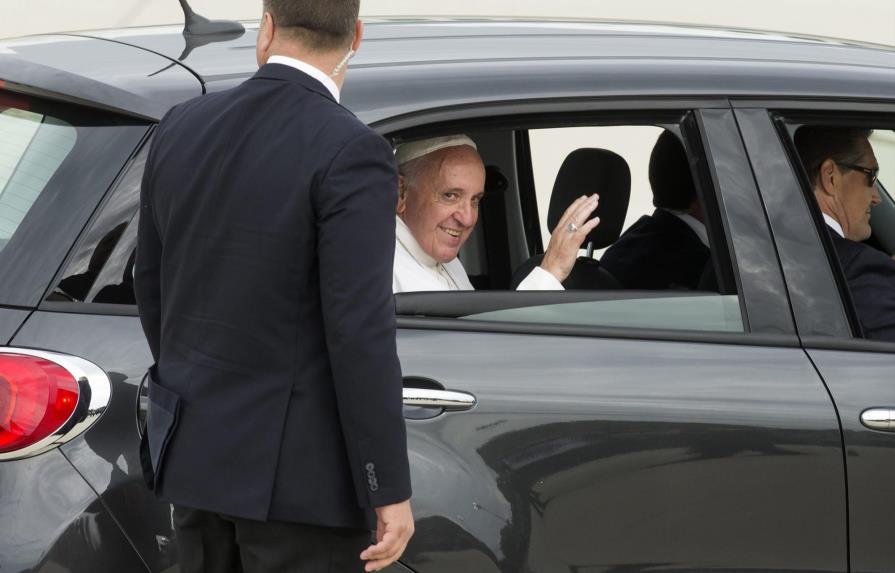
(107, 455)
(53, 521)
(596, 455)
(859, 375)
(858, 381)
(10, 320)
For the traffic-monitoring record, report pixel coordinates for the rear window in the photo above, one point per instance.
(57, 162)
(32, 147)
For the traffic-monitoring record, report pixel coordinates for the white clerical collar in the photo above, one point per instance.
(307, 68)
(833, 224)
(407, 240)
(694, 223)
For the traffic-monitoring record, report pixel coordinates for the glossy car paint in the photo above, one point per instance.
(409, 67)
(129, 68)
(584, 452)
(64, 527)
(858, 381)
(10, 321)
(702, 456)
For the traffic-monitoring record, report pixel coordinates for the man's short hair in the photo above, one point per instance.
(321, 25)
(817, 143)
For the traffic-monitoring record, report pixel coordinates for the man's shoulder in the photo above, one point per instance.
(857, 257)
(660, 231)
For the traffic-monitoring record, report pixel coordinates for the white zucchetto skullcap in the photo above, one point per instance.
(414, 149)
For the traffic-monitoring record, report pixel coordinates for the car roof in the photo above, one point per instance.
(408, 65)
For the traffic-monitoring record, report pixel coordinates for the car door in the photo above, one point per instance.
(610, 448)
(859, 373)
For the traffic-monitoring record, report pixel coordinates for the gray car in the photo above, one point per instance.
(744, 425)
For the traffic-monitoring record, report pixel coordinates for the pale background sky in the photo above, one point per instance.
(864, 20)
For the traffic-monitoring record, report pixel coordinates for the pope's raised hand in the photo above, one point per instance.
(571, 230)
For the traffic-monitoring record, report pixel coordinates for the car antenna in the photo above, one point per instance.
(199, 30)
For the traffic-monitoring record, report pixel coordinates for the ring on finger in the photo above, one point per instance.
(571, 227)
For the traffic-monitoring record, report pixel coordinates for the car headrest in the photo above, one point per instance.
(669, 174)
(586, 171)
(495, 181)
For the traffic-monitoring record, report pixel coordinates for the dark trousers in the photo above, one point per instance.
(213, 543)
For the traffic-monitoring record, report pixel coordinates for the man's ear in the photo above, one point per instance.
(358, 35)
(402, 196)
(264, 39)
(828, 177)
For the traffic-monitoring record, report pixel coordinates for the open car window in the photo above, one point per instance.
(658, 260)
(845, 164)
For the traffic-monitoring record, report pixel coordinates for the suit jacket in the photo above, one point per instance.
(870, 275)
(658, 252)
(263, 278)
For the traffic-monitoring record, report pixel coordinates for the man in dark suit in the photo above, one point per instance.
(842, 169)
(263, 278)
(668, 249)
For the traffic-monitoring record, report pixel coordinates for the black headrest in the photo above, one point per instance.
(586, 171)
(495, 181)
(669, 174)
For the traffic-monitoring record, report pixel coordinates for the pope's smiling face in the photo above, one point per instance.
(439, 203)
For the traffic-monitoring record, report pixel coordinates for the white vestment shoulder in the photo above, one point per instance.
(416, 271)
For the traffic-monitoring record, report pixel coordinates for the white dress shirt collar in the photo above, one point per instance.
(307, 68)
(414, 270)
(408, 241)
(694, 223)
(833, 224)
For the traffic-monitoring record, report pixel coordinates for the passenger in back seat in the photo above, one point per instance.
(670, 248)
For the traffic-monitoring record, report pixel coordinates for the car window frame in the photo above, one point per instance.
(588, 111)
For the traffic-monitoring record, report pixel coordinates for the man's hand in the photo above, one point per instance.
(393, 530)
(562, 250)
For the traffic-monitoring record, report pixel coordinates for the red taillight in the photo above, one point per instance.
(9, 99)
(36, 398)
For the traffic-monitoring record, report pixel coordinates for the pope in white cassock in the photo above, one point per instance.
(442, 181)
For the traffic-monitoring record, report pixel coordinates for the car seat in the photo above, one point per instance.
(586, 171)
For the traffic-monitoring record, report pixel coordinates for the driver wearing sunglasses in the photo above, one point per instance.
(843, 169)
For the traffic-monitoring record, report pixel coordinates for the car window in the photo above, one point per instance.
(32, 147)
(57, 161)
(855, 220)
(550, 147)
(101, 268)
(665, 267)
(882, 218)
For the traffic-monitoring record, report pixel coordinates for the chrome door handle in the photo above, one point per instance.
(879, 419)
(448, 399)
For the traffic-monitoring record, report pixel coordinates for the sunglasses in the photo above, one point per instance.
(872, 174)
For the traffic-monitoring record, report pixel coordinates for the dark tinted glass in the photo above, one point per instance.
(63, 171)
(87, 276)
